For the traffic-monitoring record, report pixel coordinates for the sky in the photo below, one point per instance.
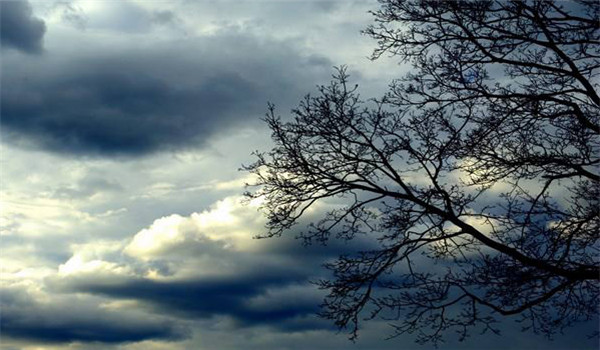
(123, 128)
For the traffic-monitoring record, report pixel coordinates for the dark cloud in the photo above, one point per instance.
(19, 29)
(209, 297)
(142, 101)
(118, 110)
(25, 318)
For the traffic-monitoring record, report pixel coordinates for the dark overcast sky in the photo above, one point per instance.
(124, 124)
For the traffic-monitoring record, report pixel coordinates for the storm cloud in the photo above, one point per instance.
(140, 101)
(237, 297)
(70, 320)
(19, 29)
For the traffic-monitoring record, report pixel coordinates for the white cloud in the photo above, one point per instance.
(89, 259)
(228, 221)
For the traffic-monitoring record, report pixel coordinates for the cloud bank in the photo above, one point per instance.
(136, 101)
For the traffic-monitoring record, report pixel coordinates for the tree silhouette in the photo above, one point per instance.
(477, 173)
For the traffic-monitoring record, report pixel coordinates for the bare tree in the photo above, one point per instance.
(477, 173)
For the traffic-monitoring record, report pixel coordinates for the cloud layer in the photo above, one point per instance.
(64, 321)
(137, 101)
(123, 126)
(201, 267)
